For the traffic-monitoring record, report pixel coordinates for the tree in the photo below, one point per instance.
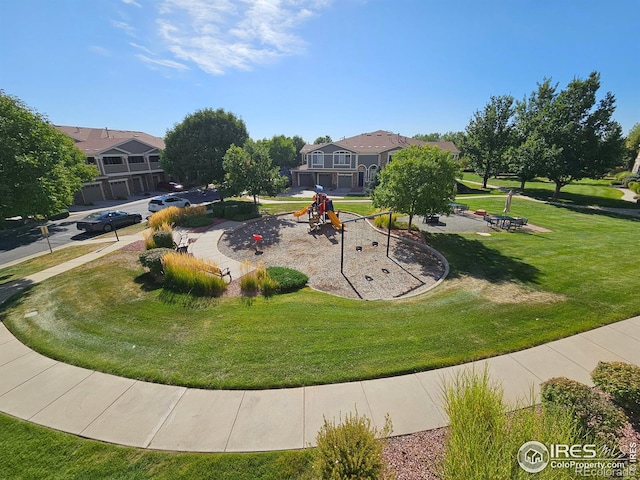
(533, 130)
(249, 169)
(299, 143)
(428, 137)
(194, 148)
(590, 142)
(283, 151)
(489, 136)
(632, 143)
(419, 181)
(40, 168)
(325, 139)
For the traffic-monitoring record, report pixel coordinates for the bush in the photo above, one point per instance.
(195, 221)
(594, 415)
(621, 381)
(185, 273)
(60, 215)
(351, 450)
(163, 239)
(288, 279)
(152, 259)
(383, 221)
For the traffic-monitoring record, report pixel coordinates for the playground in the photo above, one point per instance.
(312, 243)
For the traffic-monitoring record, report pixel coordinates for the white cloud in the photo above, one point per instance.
(132, 2)
(124, 26)
(233, 34)
(162, 63)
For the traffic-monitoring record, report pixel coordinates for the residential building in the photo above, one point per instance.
(353, 162)
(128, 162)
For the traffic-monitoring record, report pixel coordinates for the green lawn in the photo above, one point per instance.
(583, 192)
(505, 292)
(30, 451)
(47, 260)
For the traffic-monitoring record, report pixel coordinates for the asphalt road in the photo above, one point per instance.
(21, 243)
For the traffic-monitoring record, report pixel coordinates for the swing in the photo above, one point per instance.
(358, 243)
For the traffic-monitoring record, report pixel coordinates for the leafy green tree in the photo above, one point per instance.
(428, 137)
(489, 136)
(419, 181)
(632, 143)
(283, 151)
(249, 169)
(40, 168)
(195, 147)
(298, 142)
(590, 142)
(325, 139)
(532, 133)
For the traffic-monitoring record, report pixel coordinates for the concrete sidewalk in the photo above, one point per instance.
(147, 415)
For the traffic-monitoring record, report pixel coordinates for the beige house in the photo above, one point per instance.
(353, 162)
(128, 162)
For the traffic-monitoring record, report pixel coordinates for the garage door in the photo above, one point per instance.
(324, 179)
(92, 194)
(344, 181)
(119, 189)
(305, 179)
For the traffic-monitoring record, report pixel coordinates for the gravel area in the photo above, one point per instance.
(368, 274)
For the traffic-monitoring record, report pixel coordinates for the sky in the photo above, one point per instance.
(309, 67)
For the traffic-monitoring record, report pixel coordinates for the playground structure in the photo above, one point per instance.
(320, 212)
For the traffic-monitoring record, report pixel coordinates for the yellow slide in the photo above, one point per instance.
(334, 219)
(300, 212)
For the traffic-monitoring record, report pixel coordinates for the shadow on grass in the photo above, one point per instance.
(13, 292)
(147, 282)
(473, 258)
(570, 199)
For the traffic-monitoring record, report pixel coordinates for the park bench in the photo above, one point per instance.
(517, 223)
(180, 242)
(459, 207)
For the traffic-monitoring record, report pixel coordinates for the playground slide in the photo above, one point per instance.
(300, 212)
(334, 219)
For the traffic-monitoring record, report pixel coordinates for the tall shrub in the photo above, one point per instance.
(621, 381)
(351, 449)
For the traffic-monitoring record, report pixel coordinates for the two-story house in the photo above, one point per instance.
(128, 162)
(353, 162)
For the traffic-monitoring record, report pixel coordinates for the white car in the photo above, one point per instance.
(165, 201)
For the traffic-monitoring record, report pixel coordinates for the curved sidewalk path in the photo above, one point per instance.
(147, 415)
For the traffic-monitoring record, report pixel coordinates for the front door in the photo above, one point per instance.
(360, 179)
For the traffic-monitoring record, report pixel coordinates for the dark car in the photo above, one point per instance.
(170, 186)
(108, 220)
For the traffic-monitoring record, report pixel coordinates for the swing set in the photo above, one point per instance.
(359, 246)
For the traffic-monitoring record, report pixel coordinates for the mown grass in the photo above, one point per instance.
(581, 193)
(31, 451)
(47, 260)
(505, 292)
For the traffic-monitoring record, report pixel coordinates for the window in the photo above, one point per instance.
(91, 160)
(317, 159)
(136, 159)
(112, 160)
(342, 159)
(154, 158)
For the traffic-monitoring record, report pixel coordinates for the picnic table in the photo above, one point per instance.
(505, 222)
(459, 207)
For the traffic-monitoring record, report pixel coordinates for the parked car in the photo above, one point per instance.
(158, 203)
(170, 186)
(108, 220)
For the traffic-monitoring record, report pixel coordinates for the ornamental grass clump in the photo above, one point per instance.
(256, 279)
(485, 437)
(169, 216)
(185, 273)
(351, 449)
